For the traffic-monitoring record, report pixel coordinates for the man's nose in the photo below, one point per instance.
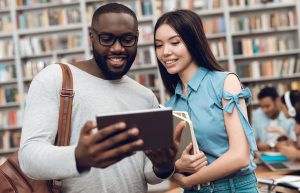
(117, 46)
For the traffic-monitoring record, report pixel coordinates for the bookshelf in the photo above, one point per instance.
(260, 42)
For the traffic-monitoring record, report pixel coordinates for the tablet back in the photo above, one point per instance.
(155, 125)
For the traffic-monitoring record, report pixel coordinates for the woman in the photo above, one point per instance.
(215, 102)
(290, 106)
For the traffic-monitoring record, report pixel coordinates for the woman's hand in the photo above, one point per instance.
(190, 163)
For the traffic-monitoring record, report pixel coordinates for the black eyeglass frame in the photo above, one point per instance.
(115, 38)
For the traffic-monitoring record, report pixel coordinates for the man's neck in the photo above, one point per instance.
(275, 115)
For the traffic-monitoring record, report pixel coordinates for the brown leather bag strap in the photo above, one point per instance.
(65, 111)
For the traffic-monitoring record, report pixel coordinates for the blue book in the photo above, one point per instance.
(273, 158)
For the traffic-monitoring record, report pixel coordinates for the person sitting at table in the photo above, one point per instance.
(290, 106)
(268, 122)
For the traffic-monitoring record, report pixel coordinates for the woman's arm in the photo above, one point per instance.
(238, 154)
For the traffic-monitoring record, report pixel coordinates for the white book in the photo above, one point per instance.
(188, 134)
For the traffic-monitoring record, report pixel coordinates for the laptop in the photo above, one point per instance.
(275, 161)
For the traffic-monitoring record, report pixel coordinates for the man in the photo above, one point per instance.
(269, 122)
(96, 160)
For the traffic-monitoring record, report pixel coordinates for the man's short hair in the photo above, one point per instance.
(268, 92)
(112, 8)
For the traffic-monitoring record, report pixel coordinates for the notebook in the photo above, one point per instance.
(275, 161)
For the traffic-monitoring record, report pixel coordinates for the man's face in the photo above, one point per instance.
(269, 106)
(114, 60)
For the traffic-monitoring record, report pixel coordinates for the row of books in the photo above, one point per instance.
(243, 3)
(4, 4)
(149, 80)
(268, 44)
(9, 139)
(7, 72)
(6, 48)
(145, 56)
(69, 58)
(32, 67)
(6, 24)
(9, 94)
(140, 7)
(264, 21)
(145, 32)
(37, 2)
(269, 68)
(218, 47)
(48, 17)
(90, 8)
(281, 88)
(214, 25)
(36, 45)
(168, 5)
(10, 118)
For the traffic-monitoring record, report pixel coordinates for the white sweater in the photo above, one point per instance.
(40, 159)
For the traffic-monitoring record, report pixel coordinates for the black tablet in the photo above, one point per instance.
(155, 125)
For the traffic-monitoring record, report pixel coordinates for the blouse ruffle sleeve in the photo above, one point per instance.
(234, 101)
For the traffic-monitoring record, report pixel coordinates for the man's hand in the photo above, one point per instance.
(181, 181)
(163, 161)
(106, 146)
(190, 163)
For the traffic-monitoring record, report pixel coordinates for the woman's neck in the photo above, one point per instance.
(187, 74)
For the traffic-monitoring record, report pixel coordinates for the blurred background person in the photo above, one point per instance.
(290, 106)
(269, 123)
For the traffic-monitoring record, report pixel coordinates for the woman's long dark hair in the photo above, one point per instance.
(189, 27)
(295, 100)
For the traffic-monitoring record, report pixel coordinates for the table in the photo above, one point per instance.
(261, 172)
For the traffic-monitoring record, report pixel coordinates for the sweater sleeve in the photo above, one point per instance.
(150, 176)
(38, 157)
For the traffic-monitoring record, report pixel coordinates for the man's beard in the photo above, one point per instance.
(109, 74)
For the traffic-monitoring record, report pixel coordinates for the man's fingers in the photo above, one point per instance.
(122, 151)
(113, 141)
(87, 127)
(108, 131)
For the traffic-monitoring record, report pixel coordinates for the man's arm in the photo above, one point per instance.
(38, 157)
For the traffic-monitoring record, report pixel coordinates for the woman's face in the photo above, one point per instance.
(171, 50)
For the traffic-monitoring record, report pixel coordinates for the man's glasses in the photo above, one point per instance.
(108, 39)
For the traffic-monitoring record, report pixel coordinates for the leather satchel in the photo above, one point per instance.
(12, 179)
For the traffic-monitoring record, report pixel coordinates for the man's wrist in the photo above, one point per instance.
(162, 173)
